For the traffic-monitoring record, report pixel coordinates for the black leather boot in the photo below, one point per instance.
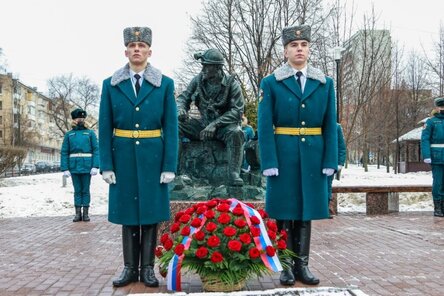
(85, 214)
(149, 237)
(131, 251)
(287, 278)
(78, 216)
(302, 234)
(438, 204)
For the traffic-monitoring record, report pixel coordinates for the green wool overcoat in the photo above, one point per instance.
(300, 191)
(79, 140)
(433, 134)
(138, 197)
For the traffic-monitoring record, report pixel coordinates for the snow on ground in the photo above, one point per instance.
(43, 195)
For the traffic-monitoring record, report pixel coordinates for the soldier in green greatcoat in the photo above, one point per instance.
(138, 135)
(298, 146)
(432, 148)
(79, 159)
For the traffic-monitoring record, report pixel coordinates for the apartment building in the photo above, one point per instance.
(25, 121)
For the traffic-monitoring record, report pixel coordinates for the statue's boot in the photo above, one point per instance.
(235, 154)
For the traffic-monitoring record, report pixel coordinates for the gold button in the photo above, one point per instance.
(137, 142)
(137, 108)
(303, 105)
(303, 139)
(137, 125)
(303, 122)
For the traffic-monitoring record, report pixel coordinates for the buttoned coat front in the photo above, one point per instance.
(138, 197)
(299, 192)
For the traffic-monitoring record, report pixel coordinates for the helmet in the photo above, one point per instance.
(211, 56)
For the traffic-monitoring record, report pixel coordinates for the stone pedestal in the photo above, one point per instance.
(334, 204)
(377, 203)
(203, 174)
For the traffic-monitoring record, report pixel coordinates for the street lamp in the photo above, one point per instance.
(337, 53)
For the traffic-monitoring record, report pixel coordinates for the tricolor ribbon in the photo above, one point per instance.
(261, 241)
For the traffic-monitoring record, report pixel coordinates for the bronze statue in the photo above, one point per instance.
(219, 99)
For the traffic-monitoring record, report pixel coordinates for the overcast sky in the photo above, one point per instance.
(45, 38)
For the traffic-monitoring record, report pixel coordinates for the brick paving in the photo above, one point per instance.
(396, 254)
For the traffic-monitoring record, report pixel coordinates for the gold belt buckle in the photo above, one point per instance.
(302, 130)
(135, 134)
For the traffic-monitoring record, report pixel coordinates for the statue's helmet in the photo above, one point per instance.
(210, 56)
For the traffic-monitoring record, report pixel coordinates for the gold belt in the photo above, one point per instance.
(298, 131)
(137, 133)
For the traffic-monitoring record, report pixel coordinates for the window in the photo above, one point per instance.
(1, 88)
(1, 134)
(1, 119)
(1, 105)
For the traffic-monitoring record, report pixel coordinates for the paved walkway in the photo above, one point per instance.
(397, 254)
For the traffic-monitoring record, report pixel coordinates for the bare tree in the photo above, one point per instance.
(3, 64)
(68, 92)
(435, 62)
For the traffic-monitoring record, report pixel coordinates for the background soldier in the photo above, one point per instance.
(432, 148)
(220, 102)
(80, 160)
(138, 153)
(298, 147)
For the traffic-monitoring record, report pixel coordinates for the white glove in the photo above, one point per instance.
(66, 174)
(328, 172)
(271, 172)
(428, 160)
(339, 167)
(167, 177)
(109, 177)
(93, 171)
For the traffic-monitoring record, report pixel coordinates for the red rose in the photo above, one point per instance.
(254, 253)
(164, 237)
(224, 218)
(234, 245)
(178, 250)
(201, 252)
(185, 231)
(196, 222)
(283, 234)
(201, 209)
(281, 244)
(168, 244)
(250, 205)
(272, 225)
(217, 257)
(263, 213)
(238, 211)
(211, 226)
(210, 214)
(212, 203)
(270, 251)
(229, 231)
(200, 235)
(223, 207)
(213, 241)
(159, 251)
(185, 218)
(255, 231)
(245, 238)
(271, 234)
(175, 227)
(189, 211)
(240, 222)
(255, 220)
(178, 215)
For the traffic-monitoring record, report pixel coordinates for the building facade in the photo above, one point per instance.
(25, 121)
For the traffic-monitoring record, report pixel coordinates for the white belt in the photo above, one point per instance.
(437, 145)
(80, 155)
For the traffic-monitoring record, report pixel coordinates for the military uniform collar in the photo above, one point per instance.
(286, 71)
(151, 74)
